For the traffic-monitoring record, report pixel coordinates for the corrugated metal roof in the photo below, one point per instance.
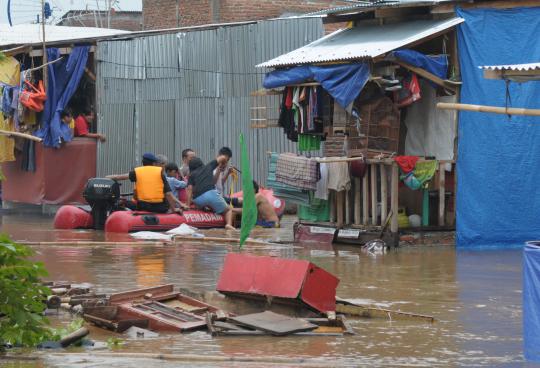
(23, 34)
(362, 42)
(515, 67)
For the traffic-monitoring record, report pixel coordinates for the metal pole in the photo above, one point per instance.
(108, 13)
(44, 60)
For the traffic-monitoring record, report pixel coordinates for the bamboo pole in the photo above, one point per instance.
(365, 200)
(206, 239)
(373, 189)
(94, 243)
(394, 202)
(488, 109)
(357, 193)
(384, 192)
(303, 362)
(442, 193)
(20, 135)
(45, 69)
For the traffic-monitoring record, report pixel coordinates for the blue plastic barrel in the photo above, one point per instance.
(531, 301)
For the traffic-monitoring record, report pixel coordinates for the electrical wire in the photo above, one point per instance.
(179, 68)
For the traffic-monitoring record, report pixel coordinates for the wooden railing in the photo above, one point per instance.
(359, 206)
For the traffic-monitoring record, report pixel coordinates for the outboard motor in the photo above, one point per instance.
(102, 195)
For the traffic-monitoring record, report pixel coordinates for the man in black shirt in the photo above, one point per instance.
(202, 190)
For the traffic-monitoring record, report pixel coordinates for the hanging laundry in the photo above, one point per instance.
(318, 210)
(9, 75)
(322, 184)
(421, 175)
(297, 171)
(286, 192)
(406, 163)
(308, 142)
(286, 115)
(7, 98)
(338, 176)
(425, 170)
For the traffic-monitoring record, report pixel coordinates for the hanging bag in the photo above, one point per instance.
(33, 98)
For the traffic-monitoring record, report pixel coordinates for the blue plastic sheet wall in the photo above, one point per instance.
(531, 301)
(498, 192)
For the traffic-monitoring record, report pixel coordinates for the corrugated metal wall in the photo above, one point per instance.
(190, 90)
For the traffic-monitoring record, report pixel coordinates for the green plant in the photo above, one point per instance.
(21, 296)
(114, 342)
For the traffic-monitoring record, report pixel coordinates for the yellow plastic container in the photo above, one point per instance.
(402, 218)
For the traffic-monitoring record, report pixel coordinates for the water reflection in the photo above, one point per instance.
(476, 298)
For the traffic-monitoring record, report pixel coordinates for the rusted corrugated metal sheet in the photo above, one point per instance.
(193, 94)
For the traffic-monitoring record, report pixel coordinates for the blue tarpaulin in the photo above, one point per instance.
(64, 78)
(498, 192)
(343, 82)
(436, 64)
(531, 301)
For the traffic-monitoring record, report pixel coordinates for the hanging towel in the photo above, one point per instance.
(297, 171)
(308, 142)
(286, 192)
(322, 184)
(424, 171)
(406, 163)
(338, 176)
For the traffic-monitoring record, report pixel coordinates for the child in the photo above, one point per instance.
(177, 186)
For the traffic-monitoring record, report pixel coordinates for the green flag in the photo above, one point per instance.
(249, 206)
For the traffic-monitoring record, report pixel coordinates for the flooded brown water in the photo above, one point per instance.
(474, 295)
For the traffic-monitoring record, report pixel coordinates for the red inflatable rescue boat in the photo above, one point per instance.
(129, 221)
(103, 213)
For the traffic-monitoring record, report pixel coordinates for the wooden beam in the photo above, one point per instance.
(442, 193)
(503, 74)
(332, 198)
(365, 200)
(339, 209)
(384, 192)
(373, 189)
(429, 76)
(488, 109)
(357, 194)
(501, 4)
(394, 200)
(17, 50)
(347, 207)
(63, 51)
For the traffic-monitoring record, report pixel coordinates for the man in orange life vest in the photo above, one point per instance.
(152, 191)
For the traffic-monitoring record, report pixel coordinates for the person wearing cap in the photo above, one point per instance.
(152, 191)
(202, 189)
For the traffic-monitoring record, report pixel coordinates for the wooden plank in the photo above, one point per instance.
(339, 208)
(11, 134)
(357, 194)
(373, 188)
(424, 73)
(502, 74)
(488, 109)
(140, 293)
(394, 201)
(274, 323)
(374, 312)
(384, 192)
(365, 200)
(442, 191)
(501, 4)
